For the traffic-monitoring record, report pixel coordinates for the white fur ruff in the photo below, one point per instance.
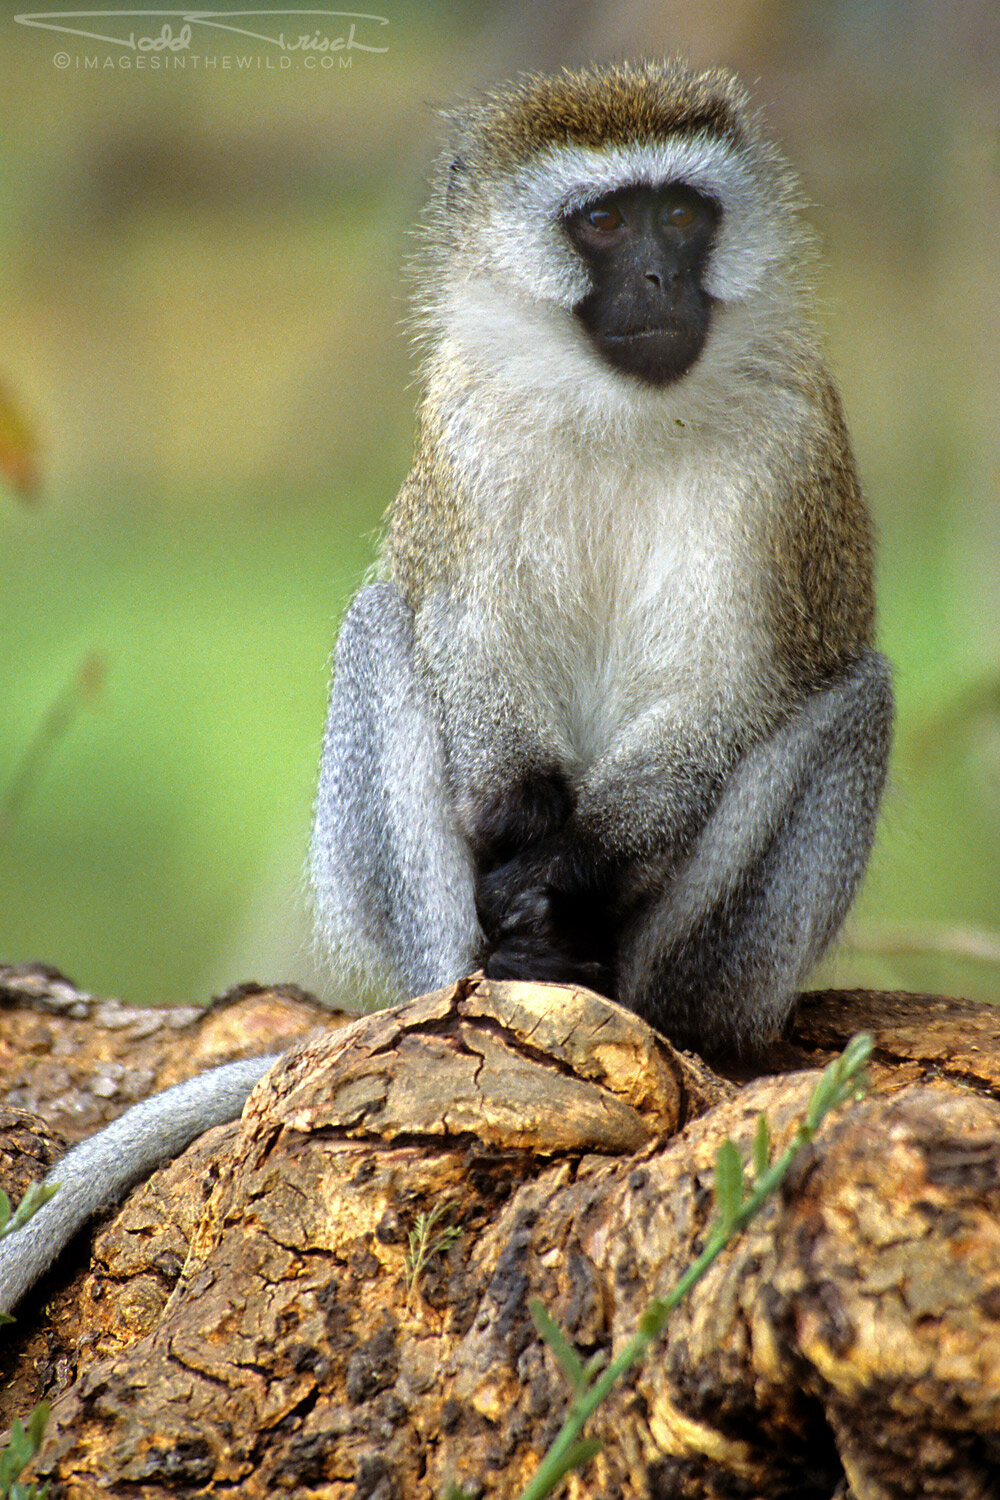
(526, 241)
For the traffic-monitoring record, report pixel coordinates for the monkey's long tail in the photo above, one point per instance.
(100, 1170)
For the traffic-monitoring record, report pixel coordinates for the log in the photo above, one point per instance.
(263, 1316)
(70, 1063)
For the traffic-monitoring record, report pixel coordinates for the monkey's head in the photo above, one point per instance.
(625, 220)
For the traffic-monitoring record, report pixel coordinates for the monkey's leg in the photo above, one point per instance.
(717, 958)
(391, 872)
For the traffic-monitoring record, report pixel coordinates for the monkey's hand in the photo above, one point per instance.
(517, 820)
(542, 923)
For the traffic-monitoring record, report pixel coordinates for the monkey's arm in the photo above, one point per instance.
(100, 1170)
(392, 874)
(715, 937)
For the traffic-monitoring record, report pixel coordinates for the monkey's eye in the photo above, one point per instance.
(679, 215)
(605, 219)
(683, 210)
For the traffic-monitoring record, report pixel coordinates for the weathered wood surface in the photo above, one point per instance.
(251, 1323)
(70, 1063)
(79, 1061)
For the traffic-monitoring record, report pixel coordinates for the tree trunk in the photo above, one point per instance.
(330, 1299)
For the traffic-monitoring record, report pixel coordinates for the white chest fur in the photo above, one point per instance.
(616, 590)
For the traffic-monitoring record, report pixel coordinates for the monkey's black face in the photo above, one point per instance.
(646, 248)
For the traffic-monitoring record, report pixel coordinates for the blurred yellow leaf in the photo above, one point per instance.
(19, 465)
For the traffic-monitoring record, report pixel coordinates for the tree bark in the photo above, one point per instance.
(260, 1318)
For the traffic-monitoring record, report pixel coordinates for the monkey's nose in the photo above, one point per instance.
(664, 278)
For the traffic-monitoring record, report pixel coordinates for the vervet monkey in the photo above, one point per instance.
(611, 712)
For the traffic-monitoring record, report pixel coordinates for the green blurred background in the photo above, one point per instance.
(203, 308)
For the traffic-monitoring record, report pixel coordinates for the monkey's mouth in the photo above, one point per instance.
(657, 331)
(650, 337)
(656, 353)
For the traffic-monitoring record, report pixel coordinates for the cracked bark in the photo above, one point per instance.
(248, 1321)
